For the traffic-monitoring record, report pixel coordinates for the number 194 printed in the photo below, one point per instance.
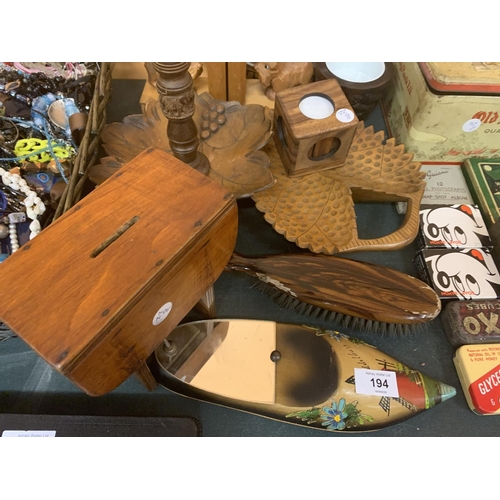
(376, 382)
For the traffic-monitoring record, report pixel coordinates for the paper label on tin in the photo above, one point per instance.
(485, 391)
(162, 313)
(29, 434)
(344, 115)
(376, 382)
(445, 185)
(471, 125)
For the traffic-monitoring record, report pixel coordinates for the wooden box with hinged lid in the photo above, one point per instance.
(99, 289)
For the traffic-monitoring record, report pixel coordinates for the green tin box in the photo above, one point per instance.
(483, 178)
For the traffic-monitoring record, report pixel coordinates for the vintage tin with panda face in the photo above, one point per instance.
(452, 226)
(467, 274)
(478, 368)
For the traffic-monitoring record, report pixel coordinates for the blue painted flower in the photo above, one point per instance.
(335, 416)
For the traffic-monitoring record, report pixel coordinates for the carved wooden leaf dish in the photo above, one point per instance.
(316, 211)
(124, 141)
(234, 153)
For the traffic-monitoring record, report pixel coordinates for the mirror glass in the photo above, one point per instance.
(230, 358)
(255, 361)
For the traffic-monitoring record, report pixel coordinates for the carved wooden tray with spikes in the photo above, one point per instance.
(316, 211)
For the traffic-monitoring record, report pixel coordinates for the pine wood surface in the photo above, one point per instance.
(227, 80)
(236, 81)
(217, 80)
(88, 305)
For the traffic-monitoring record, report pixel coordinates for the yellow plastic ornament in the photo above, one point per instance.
(40, 146)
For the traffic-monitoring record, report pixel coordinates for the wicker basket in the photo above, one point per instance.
(89, 146)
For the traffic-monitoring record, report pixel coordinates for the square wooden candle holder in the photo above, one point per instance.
(314, 126)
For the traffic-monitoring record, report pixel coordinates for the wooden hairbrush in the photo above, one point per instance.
(360, 295)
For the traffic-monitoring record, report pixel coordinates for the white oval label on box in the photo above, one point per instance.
(344, 115)
(162, 313)
(471, 125)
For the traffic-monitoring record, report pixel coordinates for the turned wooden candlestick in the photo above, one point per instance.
(176, 96)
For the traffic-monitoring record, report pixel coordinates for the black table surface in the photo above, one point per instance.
(28, 385)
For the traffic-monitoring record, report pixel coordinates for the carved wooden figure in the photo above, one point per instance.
(176, 96)
(276, 76)
(314, 125)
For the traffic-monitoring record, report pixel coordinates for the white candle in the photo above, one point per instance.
(357, 72)
(316, 107)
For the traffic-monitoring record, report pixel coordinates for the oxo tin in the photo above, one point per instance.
(467, 322)
(478, 368)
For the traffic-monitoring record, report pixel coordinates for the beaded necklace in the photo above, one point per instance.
(34, 207)
(24, 76)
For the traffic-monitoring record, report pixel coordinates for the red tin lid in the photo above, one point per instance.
(485, 391)
(462, 77)
(478, 368)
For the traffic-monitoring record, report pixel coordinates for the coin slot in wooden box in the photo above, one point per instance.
(107, 242)
(99, 299)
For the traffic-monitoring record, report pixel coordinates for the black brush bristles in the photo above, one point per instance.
(347, 321)
(6, 333)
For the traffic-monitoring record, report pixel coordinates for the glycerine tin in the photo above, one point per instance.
(478, 368)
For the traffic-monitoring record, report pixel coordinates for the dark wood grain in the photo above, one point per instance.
(363, 97)
(176, 96)
(350, 287)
